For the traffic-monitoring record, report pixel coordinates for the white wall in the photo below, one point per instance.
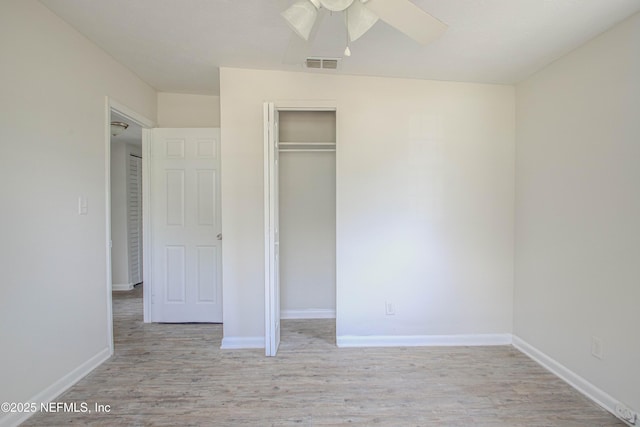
(307, 126)
(577, 211)
(179, 110)
(307, 233)
(120, 152)
(53, 297)
(307, 217)
(425, 196)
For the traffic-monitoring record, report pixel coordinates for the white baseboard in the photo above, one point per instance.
(422, 340)
(236, 343)
(57, 388)
(122, 287)
(311, 313)
(574, 380)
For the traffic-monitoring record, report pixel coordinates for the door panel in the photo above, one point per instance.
(206, 197)
(185, 220)
(207, 273)
(175, 274)
(175, 197)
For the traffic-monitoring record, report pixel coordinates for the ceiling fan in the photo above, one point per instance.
(304, 16)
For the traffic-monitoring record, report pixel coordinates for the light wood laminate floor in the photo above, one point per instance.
(176, 375)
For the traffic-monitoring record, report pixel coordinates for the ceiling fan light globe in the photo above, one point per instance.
(359, 20)
(301, 17)
(336, 5)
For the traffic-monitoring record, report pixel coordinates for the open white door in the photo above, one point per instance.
(186, 245)
(271, 231)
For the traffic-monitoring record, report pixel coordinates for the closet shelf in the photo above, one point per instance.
(295, 147)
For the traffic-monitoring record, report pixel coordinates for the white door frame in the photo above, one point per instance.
(288, 105)
(146, 124)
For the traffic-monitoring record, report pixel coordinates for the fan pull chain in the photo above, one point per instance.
(347, 51)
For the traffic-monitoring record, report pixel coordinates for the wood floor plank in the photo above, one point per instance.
(176, 375)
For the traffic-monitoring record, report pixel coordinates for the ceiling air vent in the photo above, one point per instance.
(322, 63)
(314, 63)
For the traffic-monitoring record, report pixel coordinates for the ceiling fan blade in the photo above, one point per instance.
(298, 49)
(407, 18)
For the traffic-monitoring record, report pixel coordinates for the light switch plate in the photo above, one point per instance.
(83, 205)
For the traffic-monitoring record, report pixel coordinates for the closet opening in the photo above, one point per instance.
(307, 217)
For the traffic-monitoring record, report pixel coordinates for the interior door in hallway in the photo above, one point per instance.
(185, 226)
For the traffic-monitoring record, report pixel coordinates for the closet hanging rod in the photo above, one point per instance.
(289, 144)
(307, 150)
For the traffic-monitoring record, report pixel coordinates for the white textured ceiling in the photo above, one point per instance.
(177, 46)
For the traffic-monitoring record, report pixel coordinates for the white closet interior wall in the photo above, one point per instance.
(307, 214)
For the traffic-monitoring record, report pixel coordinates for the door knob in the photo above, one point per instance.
(219, 236)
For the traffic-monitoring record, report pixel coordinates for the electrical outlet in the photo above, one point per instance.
(390, 309)
(597, 349)
(626, 414)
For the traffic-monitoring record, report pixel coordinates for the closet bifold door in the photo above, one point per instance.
(134, 219)
(271, 229)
